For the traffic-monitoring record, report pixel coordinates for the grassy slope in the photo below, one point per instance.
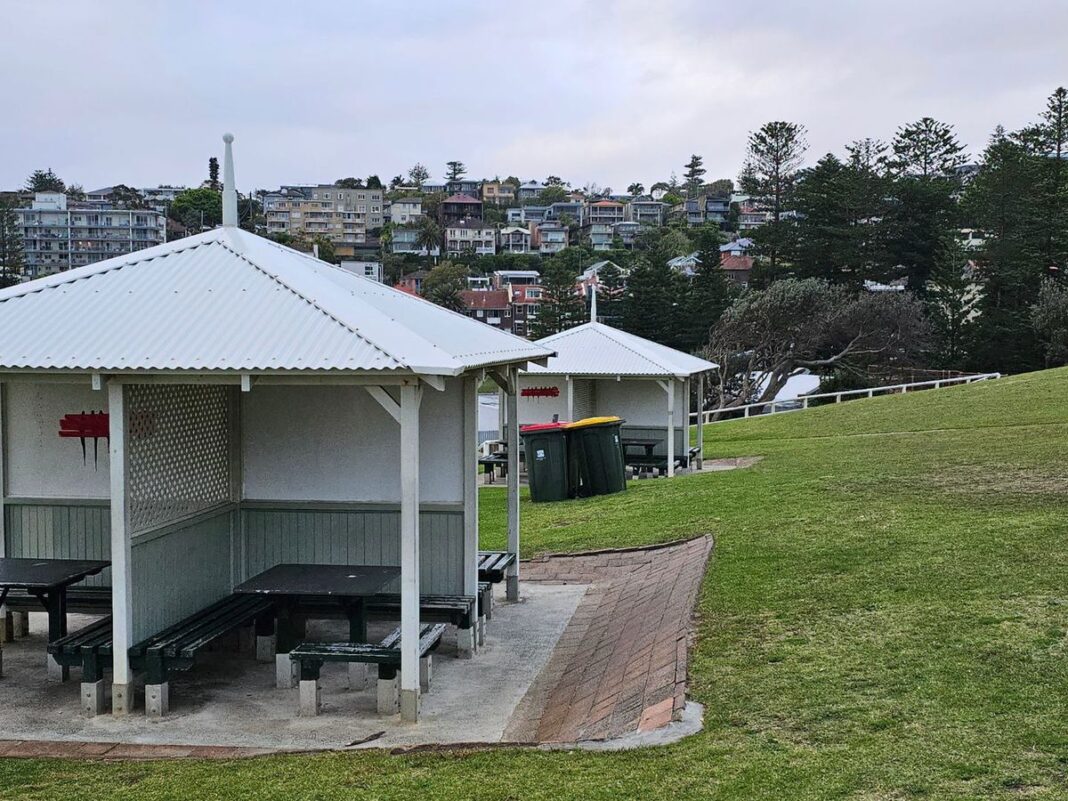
(885, 617)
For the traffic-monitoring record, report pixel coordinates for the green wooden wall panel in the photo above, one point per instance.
(59, 530)
(353, 536)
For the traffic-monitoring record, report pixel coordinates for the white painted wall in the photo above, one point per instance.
(641, 402)
(339, 444)
(541, 410)
(38, 462)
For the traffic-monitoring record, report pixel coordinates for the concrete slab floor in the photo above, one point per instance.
(230, 700)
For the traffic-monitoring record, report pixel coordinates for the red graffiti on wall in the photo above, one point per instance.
(540, 392)
(87, 425)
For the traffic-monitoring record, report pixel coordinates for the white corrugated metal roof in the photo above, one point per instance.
(598, 349)
(230, 300)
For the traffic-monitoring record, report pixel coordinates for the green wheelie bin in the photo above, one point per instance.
(545, 446)
(597, 456)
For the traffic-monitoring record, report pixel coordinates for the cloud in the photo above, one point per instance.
(140, 92)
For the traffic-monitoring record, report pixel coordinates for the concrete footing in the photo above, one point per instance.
(311, 698)
(1, 660)
(20, 624)
(465, 643)
(387, 695)
(357, 675)
(512, 588)
(285, 672)
(122, 698)
(56, 671)
(157, 700)
(409, 705)
(481, 631)
(426, 672)
(265, 647)
(93, 698)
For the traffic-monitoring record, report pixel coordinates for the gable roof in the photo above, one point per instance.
(598, 349)
(228, 300)
(460, 198)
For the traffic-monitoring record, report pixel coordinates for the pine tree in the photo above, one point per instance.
(953, 295)
(693, 174)
(418, 174)
(651, 300)
(611, 285)
(11, 255)
(705, 297)
(213, 173)
(44, 181)
(773, 156)
(455, 170)
(561, 306)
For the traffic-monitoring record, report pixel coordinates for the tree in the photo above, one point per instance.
(44, 181)
(1049, 316)
(325, 249)
(650, 305)
(396, 181)
(349, 183)
(444, 284)
(554, 180)
(953, 295)
(773, 156)
(11, 256)
(561, 306)
(418, 174)
(213, 174)
(706, 296)
(693, 175)
(428, 235)
(1053, 189)
(635, 189)
(75, 192)
(926, 149)
(374, 182)
(766, 335)
(249, 212)
(611, 285)
(551, 194)
(197, 209)
(125, 197)
(455, 170)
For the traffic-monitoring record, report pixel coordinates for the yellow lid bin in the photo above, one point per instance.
(592, 421)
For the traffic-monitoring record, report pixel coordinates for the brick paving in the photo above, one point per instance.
(620, 665)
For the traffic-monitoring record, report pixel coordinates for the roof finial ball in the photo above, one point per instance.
(229, 195)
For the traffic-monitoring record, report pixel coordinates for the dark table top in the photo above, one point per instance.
(339, 580)
(45, 574)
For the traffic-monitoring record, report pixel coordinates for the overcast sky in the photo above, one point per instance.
(140, 92)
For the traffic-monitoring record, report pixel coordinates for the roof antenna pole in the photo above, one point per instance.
(593, 302)
(229, 195)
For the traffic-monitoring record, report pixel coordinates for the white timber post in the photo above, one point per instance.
(512, 582)
(669, 387)
(570, 383)
(700, 421)
(122, 688)
(469, 464)
(7, 623)
(410, 397)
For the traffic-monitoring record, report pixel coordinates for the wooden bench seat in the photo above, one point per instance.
(177, 647)
(310, 656)
(493, 565)
(90, 649)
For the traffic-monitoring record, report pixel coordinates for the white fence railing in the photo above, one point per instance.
(803, 401)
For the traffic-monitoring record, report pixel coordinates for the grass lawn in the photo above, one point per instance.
(885, 616)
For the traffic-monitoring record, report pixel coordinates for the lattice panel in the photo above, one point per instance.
(178, 452)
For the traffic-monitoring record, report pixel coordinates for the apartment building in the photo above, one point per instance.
(549, 237)
(527, 214)
(459, 207)
(499, 193)
(463, 186)
(57, 235)
(514, 239)
(530, 190)
(406, 240)
(405, 210)
(489, 306)
(470, 237)
(646, 211)
(346, 217)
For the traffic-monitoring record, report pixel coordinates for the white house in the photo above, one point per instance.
(259, 406)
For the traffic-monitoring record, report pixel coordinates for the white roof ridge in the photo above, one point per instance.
(310, 301)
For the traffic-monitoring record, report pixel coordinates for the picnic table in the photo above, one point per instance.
(47, 580)
(290, 584)
(638, 442)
